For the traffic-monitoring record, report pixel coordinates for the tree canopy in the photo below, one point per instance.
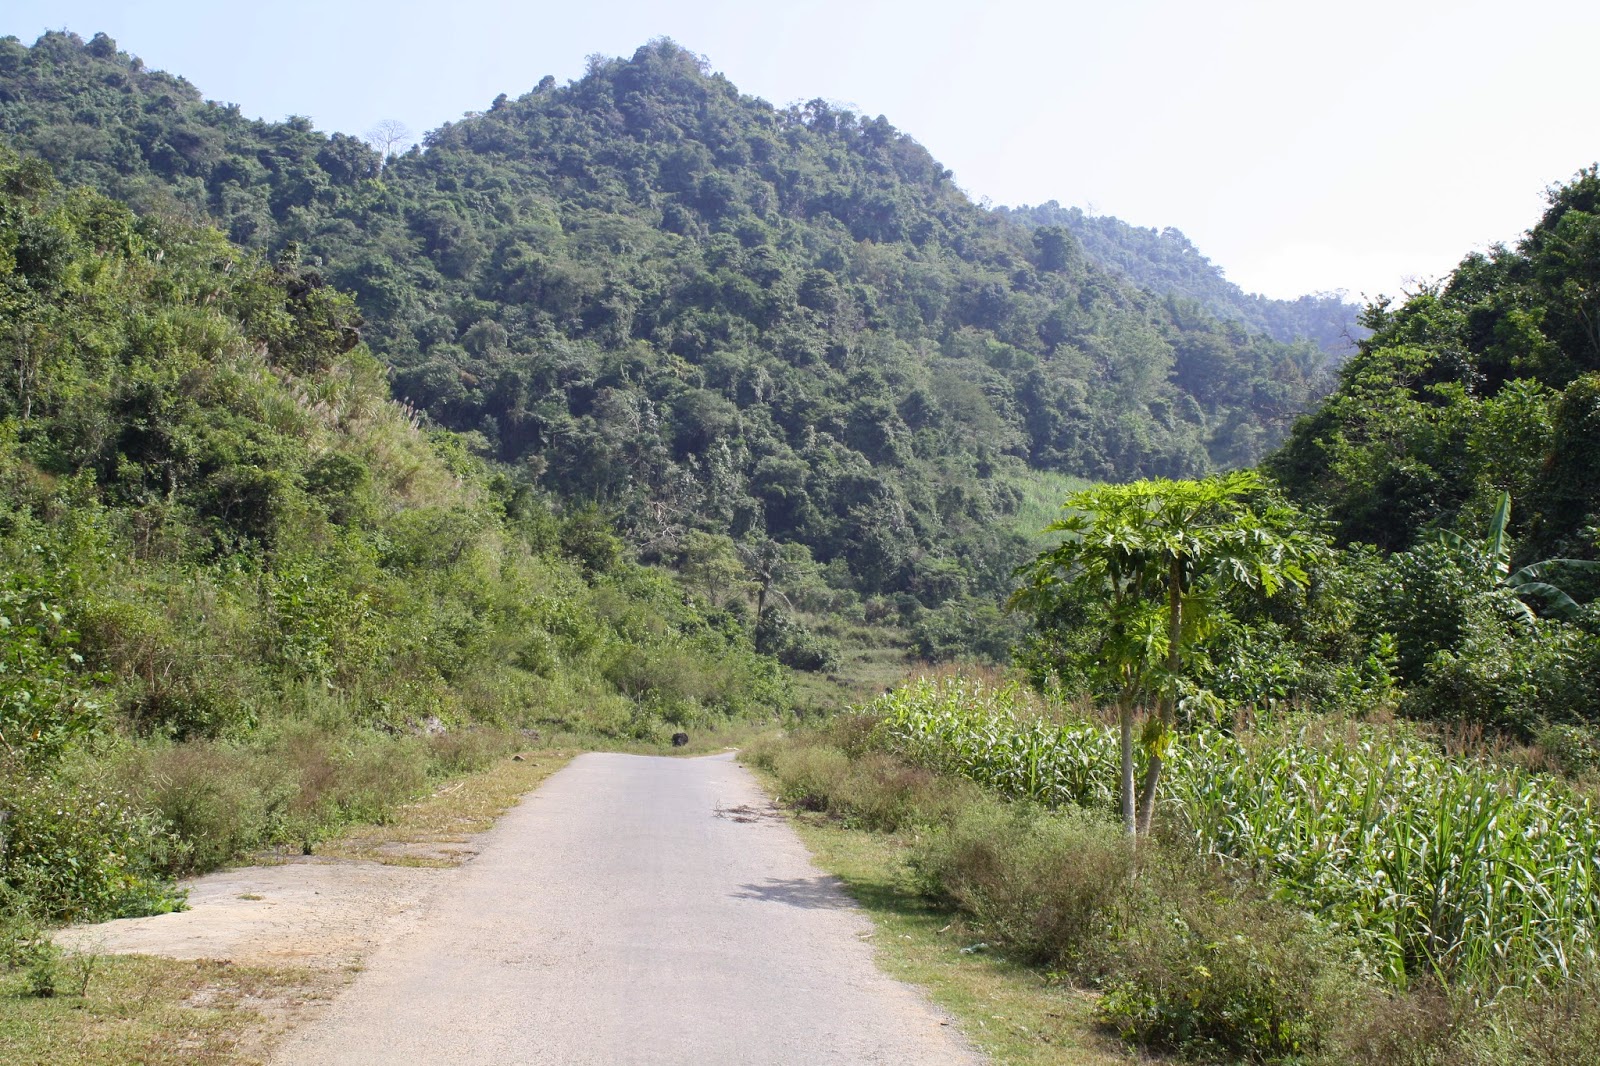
(697, 310)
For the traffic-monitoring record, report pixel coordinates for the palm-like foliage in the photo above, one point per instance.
(1529, 582)
(1158, 552)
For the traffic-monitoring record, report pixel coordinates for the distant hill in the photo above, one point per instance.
(699, 311)
(1164, 261)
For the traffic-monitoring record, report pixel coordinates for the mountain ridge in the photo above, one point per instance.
(700, 311)
(1167, 262)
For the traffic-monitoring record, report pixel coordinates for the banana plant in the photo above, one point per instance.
(1529, 582)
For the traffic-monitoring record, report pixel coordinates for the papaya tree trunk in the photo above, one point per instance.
(1168, 707)
(1147, 793)
(1125, 721)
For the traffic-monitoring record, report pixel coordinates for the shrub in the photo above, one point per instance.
(350, 778)
(1423, 1026)
(45, 702)
(1211, 970)
(465, 751)
(1432, 1025)
(788, 640)
(810, 775)
(1053, 887)
(1543, 1027)
(218, 801)
(1508, 681)
(886, 793)
(875, 791)
(81, 850)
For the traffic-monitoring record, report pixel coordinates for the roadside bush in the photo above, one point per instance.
(466, 751)
(359, 777)
(1053, 886)
(855, 733)
(886, 793)
(873, 791)
(1213, 971)
(1423, 1026)
(218, 801)
(810, 775)
(1432, 1025)
(1542, 1027)
(81, 850)
(24, 937)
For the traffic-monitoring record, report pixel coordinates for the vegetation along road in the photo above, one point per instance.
(634, 909)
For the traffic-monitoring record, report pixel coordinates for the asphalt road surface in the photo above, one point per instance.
(633, 910)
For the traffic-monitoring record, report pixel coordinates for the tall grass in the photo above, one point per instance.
(1453, 867)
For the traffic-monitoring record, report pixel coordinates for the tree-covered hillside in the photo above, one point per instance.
(697, 310)
(1487, 383)
(217, 528)
(1164, 261)
(200, 462)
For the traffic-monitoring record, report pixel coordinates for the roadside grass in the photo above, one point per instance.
(1008, 1011)
(435, 830)
(153, 1011)
(1013, 1013)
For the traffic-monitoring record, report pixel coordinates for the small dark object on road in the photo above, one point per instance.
(680, 739)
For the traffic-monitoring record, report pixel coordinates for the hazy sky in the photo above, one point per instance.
(1302, 147)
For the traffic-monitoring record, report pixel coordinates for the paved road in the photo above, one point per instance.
(633, 910)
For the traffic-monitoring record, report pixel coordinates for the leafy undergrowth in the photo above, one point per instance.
(1189, 954)
(1435, 865)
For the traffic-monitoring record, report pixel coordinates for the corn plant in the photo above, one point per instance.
(1432, 864)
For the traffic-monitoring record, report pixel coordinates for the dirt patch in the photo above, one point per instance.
(279, 940)
(285, 938)
(745, 812)
(306, 912)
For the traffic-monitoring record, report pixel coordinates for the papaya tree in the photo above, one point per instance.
(1157, 554)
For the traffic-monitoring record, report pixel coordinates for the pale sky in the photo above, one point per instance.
(1303, 147)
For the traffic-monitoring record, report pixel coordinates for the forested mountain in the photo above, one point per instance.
(647, 290)
(1164, 261)
(1487, 383)
(208, 502)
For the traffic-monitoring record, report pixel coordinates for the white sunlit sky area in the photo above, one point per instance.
(1304, 147)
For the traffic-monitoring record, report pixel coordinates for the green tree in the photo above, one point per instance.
(1157, 553)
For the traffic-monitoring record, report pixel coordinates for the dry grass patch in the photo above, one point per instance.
(152, 1011)
(438, 830)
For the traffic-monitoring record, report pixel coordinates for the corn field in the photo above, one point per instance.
(1432, 864)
